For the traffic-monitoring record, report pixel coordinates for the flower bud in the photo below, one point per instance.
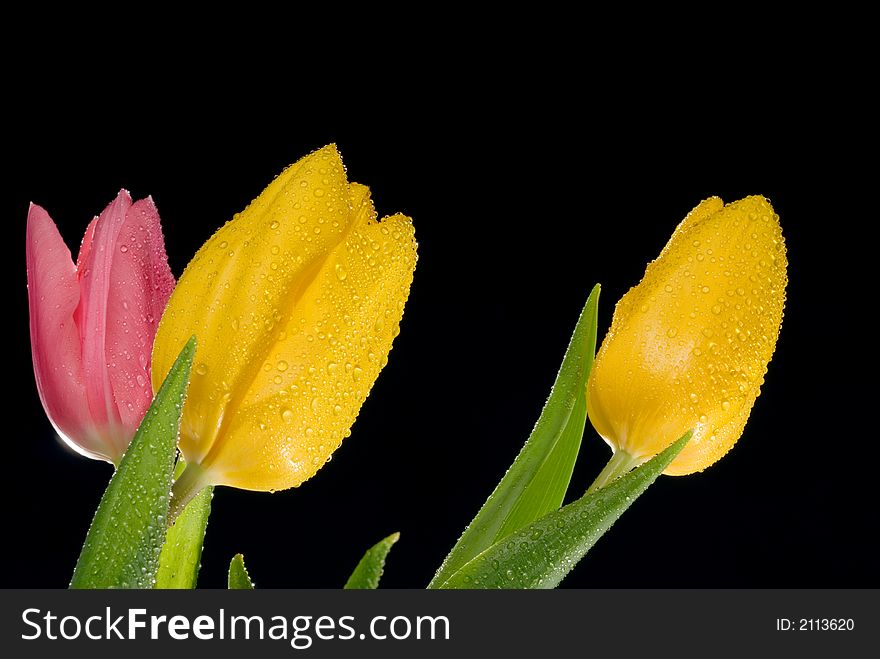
(295, 303)
(689, 346)
(93, 323)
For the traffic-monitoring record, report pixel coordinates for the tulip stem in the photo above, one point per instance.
(620, 463)
(192, 481)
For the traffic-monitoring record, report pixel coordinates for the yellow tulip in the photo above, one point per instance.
(295, 303)
(689, 346)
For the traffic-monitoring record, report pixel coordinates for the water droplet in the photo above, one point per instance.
(223, 244)
(356, 373)
(725, 405)
(694, 398)
(282, 365)
(141, 380)
(671, 332)
(123, 248)
(341, 272)
(273, 224)
(287, 414)
(202, 368)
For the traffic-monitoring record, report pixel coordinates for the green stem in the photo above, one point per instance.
(620, 463)
(192, 481)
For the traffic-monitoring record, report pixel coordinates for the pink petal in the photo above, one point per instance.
(53, 295)
(140, 284)
(94, 273)
(86, 245)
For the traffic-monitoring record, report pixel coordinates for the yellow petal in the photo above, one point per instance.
(689, 346)
(260, 298)
(312, 385)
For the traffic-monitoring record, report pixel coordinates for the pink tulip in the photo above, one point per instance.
(93, 323)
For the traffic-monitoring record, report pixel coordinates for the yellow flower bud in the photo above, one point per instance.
(689, 346)
(295, 303)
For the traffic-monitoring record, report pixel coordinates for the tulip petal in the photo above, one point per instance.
(309, 387)
(715, 442)
(53, 295)
(140, 285)
(86, 245)
(241, 286)
(700, 212)
(94, 272)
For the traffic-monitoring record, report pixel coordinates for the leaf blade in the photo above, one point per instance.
(542, 553)
(122, 545)
(238, 575)
(538, 479)
(369, 569)
(551, 483)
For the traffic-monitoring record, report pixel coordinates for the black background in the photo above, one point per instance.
(526, 188)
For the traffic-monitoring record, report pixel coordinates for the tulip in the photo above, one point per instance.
(295, 303)
(92, 324)
(689, 346)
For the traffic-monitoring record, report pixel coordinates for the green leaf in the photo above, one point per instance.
(538, 479)
(368, 571)
(547, 489)
(238, 575)
(542, 553)
(182, 552)
(123, 543)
